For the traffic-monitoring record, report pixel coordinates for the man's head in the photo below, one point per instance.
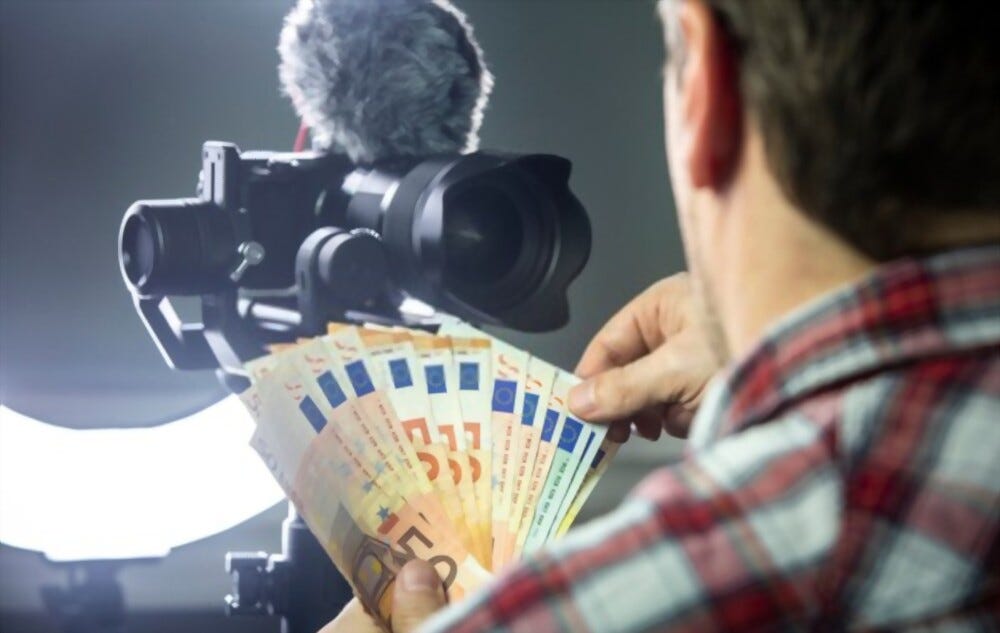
(858, 130)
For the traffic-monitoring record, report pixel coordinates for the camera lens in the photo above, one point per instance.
(483, 233)
(176, 247)
(137, 249)
(493, 238)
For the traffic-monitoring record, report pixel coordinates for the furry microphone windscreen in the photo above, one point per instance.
(377, 79)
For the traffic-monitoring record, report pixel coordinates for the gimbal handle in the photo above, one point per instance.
(182, 345)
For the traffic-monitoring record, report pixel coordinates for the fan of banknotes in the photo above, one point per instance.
(456, 448)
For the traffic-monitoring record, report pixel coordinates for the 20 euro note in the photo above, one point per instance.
(539, 382)
(552, 423)
(576, 449)
(598, 467)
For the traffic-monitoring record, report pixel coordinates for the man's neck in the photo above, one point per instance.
(783, 279)
(780, 260)
(770, 258)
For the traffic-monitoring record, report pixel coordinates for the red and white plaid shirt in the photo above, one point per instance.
(844, 475)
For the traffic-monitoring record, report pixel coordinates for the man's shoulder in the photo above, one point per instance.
(917, 449)
(915, 414)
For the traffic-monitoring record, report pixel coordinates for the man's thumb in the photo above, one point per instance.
(418, 595)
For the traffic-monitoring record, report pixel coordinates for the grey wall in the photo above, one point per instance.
(106, 102)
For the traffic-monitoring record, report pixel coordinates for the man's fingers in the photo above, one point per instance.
(677, 420)
(649, 424)
(352, 619)
(631, 333)
(418, 595)
(623, 391)
(617, 343)
(640, 327)
(619, 432)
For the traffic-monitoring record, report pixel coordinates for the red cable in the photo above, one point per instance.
(301, 137)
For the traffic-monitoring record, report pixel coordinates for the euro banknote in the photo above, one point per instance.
(453, 447)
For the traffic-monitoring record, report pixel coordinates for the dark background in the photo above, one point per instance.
(106, 102)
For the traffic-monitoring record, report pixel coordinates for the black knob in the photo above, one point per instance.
(251, 585)
(353, 267)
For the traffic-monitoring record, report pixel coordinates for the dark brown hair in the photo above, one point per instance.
(880, 118)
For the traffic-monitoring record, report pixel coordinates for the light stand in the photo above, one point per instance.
(92, 602)
(301, 584)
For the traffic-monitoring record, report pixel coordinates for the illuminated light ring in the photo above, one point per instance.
(128, 493)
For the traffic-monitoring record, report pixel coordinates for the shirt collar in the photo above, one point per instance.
(903, 311)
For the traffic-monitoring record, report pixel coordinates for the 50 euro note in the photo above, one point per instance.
(369, 532)
(509, 366)
(318, 387)
(472, 359)
(366, 386)
(440, 376)
(394, 354)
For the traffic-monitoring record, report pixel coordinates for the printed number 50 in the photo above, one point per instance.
(451, 568)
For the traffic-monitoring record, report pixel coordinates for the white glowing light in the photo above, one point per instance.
(128, 493)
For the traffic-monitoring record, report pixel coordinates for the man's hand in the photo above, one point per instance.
(417, 595)
(649, 364)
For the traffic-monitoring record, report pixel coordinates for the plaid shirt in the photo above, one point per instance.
(844, 475)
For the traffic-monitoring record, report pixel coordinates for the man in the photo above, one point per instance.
(837, 176)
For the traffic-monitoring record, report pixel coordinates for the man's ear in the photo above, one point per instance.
(711, 103)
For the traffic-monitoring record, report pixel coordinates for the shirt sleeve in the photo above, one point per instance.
(731, 538)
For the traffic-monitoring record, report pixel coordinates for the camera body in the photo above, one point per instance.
(278, 244)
